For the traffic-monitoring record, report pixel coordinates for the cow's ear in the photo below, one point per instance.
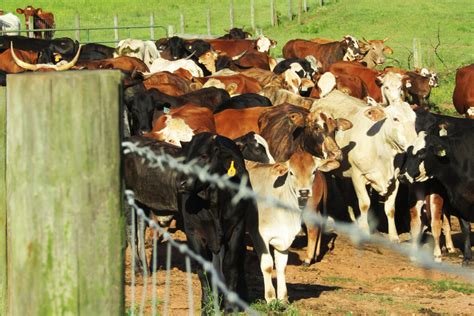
(326, 165)
(375, 114)
(280, 168)
(20, 11)
(387, 50)
(343, 124)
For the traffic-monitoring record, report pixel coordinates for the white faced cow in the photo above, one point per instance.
(370, 146)
(146, 51)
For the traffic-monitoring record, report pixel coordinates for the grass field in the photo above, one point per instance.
(400, 20)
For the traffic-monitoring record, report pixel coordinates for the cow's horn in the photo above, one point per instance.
(187, 57)
(239, 56)
(71, 63)
(385, 39)
(364, 40)
(20, 62)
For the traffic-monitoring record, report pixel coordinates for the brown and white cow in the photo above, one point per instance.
(41, 20)
(463, 95)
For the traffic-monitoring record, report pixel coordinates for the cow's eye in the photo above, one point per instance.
(396, 119)
(291, 173)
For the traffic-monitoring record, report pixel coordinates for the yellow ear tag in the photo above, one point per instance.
(231, 171)
(57, 57)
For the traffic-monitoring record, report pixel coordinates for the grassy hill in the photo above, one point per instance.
(400, 20)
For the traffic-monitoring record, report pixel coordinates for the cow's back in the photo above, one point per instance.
(463, 95)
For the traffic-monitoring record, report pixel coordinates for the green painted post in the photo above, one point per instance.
(3, 207)
(64, 195)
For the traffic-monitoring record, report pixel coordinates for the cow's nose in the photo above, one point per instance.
(304, 193)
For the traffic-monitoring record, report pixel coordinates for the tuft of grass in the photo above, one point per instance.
(275, 308)
(441, 285)
(335, 279)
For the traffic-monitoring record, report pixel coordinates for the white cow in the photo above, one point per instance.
(146, 51)
(10, 22)
(161, 64)
(277, 227)
(370, 146)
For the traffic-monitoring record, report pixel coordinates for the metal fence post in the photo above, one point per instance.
(116, 31)
(152, 26)
(78, 26)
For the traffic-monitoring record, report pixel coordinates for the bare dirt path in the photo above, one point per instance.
(370, 280)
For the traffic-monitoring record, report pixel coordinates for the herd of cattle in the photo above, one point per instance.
(291, 125)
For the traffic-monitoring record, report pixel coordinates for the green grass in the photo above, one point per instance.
(400, 20)
(275, 308)
(440, 286)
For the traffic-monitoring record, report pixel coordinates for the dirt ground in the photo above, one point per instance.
(347, 280)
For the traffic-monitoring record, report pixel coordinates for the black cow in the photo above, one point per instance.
(254, 147)
(143, 104)
(93, 51)
(172, 48)
(236, 33)
(64, 46)
(307, 72)
(444, 151)
(243, 101)
(215, 227)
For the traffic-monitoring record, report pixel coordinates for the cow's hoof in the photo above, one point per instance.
(437, 259)
(466, 262)
(306, 264)
(394, 239)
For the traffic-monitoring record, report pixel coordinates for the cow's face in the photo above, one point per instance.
(264, 44)
(208, 59)
(400, 125)
(141, 114)
(218, 154)
(376, 51)
(353, 48)
(255, 148)
(131, 48)
(391, 87)
(29, 11)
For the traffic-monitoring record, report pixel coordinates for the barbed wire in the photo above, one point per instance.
(358, 236)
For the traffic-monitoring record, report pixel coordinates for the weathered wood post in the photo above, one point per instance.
(305, 5)
(208, 21)
(290, 10)
(417, 58)
(321, 3)
(299, 11)
(31, 27)
(3, 206)
(181, 23)
(231, 13)
(78, 26)
(170, 31)
(64, 194)
(116, 31)
(272, 12)
(252, 15)
(152, 26)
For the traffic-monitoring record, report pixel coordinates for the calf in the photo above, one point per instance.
(214, 226)
(289, 183)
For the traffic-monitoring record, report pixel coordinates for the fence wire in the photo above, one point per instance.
(359, 237)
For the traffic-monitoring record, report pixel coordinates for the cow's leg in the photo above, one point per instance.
(466, 233)
(266, 265)
(281, 259)
(447, 234)
(436, 208)
(416, 200)
(389, 208)
(314, 237)
(363, 199)
(132, 240)
(233, 266)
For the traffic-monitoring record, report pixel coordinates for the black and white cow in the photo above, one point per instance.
(443, 150)
(215, 227)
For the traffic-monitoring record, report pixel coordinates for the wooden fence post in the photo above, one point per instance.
(31, 26)
(252, 14)
(3, 206)
(305, 5)
(231, 13)
(299, 11)
(273, 12)
(116, 31)
(417, 58)
(152, 26)
(321, 3)
(208, 21)
(290, 10)
(78, 26)
(181, 23)
(170, 30)
(66, 235)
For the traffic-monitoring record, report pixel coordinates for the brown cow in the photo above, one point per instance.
(60, 66)
(180, 124)
(416, 84)
(169, 83)
(327, 54)
(124, 63)
(235, 84)
(350, 85)
(41, 20)
(285, 127)
(8, 65)
(236, 47)
(463, 96)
